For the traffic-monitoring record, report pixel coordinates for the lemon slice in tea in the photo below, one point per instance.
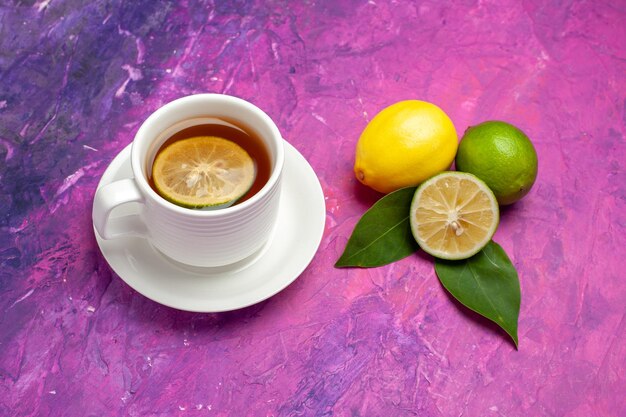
(453, 215)
(203, 172)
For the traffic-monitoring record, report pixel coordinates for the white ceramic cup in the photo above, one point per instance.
(194, 237)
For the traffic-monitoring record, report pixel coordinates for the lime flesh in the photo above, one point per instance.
(203, 172)
(453, 215)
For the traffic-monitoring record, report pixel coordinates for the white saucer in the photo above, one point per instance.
(296, 237)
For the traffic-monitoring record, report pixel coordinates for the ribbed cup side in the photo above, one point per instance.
(219, 238)
(208, 238)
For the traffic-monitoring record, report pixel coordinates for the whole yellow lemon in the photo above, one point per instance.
(404, 145)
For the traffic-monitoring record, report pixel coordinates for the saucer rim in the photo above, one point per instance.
(123, 157)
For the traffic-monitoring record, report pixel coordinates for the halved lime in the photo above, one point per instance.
(203, 171)
(453, 215)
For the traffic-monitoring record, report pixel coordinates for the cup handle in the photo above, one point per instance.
(111, 196)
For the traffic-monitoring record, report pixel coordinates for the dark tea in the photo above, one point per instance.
(223, 136)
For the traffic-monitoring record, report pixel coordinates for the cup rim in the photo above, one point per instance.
(142, 182)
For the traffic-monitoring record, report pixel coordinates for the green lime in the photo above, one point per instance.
(203, 171)
(502, 156)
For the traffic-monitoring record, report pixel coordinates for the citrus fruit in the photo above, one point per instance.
(453, 215)
(203, 171)
(403, 145)
(501, 155)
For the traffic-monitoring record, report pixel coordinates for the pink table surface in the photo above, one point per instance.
(78, 78)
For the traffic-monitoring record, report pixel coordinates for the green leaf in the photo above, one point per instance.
(486, 283)
(383, 235)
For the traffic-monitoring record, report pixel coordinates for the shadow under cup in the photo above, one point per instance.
(207, 238)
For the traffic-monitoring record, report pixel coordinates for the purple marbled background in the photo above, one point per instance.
(76, 80)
